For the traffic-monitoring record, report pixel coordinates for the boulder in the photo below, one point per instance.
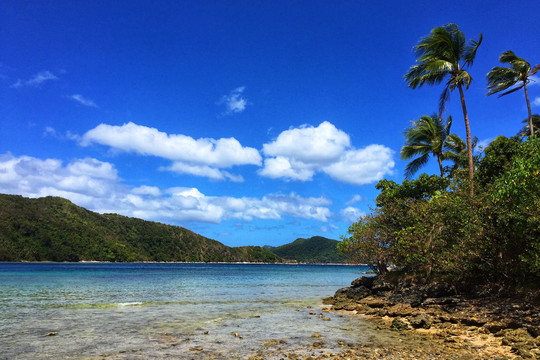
(365, 281)
(399, 324)
(423, 321)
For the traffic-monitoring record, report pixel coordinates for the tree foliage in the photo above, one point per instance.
(431, 229)
(445, 54)
(54, 229)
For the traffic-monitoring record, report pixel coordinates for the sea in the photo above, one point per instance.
(173, 310)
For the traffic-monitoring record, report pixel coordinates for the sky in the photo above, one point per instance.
(248, 122)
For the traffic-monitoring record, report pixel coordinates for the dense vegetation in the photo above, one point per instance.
(436, 228)
(54, 229)
(316, 249)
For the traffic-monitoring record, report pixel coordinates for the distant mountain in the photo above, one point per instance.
(316, 249)
(54, 229)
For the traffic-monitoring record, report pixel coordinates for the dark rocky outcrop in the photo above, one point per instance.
(403, 305)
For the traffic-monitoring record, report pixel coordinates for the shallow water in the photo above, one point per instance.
(171, 310)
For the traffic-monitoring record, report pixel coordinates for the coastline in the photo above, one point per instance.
(453, 326)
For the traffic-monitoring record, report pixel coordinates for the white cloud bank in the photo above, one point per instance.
(234, 102)
(95, 185)
(38, 79)
(204, 157)
(351, 214)
(298, 153)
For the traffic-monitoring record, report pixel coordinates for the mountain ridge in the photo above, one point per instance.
(55, 229)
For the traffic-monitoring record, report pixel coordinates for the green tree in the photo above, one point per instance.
(503, 78)
(526, 129)
(456, 151)
(445, 53)
(426, 136)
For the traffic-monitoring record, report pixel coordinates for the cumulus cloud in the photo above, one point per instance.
(37, 80)
(536, 101)
(356, 198)
(234, 102)
(298, 153)
(351, 214)
(95, 185)
(200, 157)
(82, 100)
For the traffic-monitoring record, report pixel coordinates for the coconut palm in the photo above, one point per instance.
(525, 130)
(426, 136)
(456, 151)
(442, 54)
(503, 78)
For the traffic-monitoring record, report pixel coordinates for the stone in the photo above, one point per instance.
(399, 324)
(423, 321)
(365, 281)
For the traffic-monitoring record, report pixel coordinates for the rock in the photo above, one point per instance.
(402, 310)
(317, 336)
(365, 281)
(381, 285)
(374, 302)
(494, 327)
(423, 321)
(352, 293)
(52, 333)
(399, 324)
(439, 290)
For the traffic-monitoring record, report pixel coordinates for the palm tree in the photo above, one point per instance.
(535, 118)
(444, 53)
(502, 78)
(456, 151)
(426, 136)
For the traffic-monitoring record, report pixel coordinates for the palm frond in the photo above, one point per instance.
(416, 164)
(512, 90)
(443, 100)
(470, 50)
(508, 57)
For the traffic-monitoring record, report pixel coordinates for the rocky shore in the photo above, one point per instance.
(447, 325)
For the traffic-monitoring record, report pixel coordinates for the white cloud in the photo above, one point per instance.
(363, 166)
(309, 145)
(536, 101)
(200, 157)
(202, 171)
(482, 144)
(356, 198)
(82, 100)
(298, 153)
(351, 214)
(234, 101)
(38, 79)
(96, 186)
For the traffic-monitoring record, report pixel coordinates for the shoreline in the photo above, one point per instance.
(459, 327)
(179, 262)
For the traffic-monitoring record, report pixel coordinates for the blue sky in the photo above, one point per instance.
(249, 122)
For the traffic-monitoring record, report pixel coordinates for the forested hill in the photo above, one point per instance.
(316, 249)
(54, 229)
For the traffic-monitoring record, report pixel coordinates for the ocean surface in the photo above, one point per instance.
(185, 311)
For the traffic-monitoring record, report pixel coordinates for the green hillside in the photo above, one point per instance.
(316, 249)
(54, 229)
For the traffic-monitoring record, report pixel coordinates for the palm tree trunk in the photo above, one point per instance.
(440, 164)
(528, 108)
(469, 142)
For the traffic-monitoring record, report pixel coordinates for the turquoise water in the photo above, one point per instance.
(169, 310)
